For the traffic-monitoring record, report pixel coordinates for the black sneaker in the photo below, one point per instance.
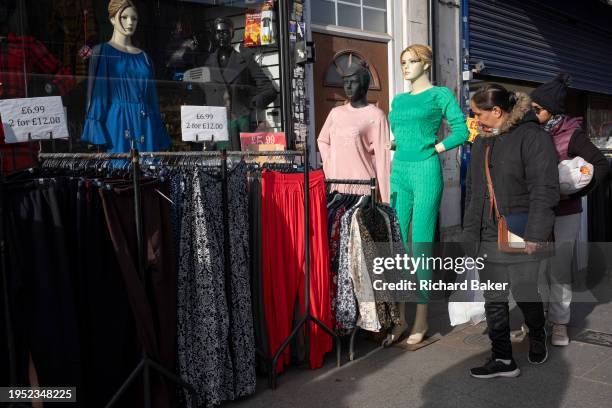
(538, 351)
(494, 368)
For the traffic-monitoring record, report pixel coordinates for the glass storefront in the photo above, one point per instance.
(125, 68)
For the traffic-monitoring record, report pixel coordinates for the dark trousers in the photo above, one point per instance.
(41, 291)
(153, 304)
(259, 319)
(522, 280)
(103, 307)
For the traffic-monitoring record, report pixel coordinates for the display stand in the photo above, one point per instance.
(147, 364)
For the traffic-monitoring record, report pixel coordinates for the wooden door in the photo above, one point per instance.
(334, 55)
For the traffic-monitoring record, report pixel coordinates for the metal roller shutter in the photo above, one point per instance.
(534, 40)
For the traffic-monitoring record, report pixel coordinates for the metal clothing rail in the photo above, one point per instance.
(220, 153)
(372, 183)
(88, 156)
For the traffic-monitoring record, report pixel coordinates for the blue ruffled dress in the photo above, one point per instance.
(123, 105)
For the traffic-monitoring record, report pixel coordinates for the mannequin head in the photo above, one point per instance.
(491, 104)
(224, 32)
(356, 83)
(123, 16)
(416, 61)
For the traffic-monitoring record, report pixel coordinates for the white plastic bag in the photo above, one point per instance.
(466, 306)
(574, 175)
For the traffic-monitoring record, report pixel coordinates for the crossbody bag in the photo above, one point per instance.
(509, 239)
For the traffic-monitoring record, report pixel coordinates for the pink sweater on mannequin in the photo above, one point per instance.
(353, 145)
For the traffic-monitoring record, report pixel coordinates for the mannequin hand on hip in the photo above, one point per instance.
(391, 145)
(440, 148)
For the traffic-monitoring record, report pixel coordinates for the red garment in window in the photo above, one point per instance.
(20, 57)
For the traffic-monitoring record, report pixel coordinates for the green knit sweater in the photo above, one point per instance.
(415, 119)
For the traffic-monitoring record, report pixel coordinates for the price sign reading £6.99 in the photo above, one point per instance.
(204, 123)
(33, 118)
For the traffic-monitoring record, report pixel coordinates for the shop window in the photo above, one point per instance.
(180, 58)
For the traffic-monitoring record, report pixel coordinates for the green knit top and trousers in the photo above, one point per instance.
(416, 173)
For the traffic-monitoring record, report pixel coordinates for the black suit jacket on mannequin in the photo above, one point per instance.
(242, 79)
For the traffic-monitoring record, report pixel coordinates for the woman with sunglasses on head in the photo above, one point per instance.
(570, 140)
(518, 158)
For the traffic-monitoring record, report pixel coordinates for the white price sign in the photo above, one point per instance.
(33, 119)
(204, 123)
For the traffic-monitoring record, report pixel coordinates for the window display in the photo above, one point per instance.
(150, 59)
(122, 103)
(235, 81)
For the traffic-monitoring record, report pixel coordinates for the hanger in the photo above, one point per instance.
(337, 198)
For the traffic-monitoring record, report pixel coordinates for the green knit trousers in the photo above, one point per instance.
(416, 191)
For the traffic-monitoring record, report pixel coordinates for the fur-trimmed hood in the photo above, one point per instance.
(516, 116)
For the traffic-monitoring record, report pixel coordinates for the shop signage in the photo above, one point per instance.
(204, 123)
(259, 138)
(27, 119)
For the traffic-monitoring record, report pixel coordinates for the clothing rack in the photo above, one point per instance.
(134, 155)
(372, 183)
(146, 363)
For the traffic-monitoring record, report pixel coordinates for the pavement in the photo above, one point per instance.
(436, 376)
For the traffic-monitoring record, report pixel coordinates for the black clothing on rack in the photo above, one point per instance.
(42, 293)
(259, 318)
(103, 305)
(154, 307)
(67, 295)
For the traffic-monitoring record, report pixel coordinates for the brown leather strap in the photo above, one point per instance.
(492, 199)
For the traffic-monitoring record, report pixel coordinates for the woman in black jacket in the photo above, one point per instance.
(523, 168)
(570, 140)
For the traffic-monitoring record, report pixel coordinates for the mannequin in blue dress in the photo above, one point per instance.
(122, 103)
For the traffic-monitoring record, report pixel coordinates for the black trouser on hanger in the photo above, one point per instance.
(42, 294)
(154, 306)
(109, 346)
(522, 280)
(259, 319)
